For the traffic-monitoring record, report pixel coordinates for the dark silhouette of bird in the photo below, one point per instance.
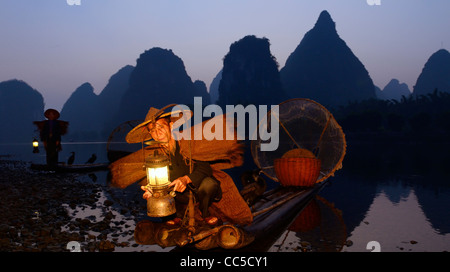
(254, 186)
(92, 158)
(71, 158)
(93, 177)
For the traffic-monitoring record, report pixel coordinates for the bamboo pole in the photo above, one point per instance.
(200, 236)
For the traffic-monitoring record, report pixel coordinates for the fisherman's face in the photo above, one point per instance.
(51, 116)
(160, 130)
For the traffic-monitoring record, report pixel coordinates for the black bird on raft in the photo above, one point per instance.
(254, 186)
(71, 158)
(92, 158)
(93, 177)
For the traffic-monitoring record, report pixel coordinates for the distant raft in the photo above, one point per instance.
(62, 167)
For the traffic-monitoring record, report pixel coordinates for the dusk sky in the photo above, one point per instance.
(55, 47)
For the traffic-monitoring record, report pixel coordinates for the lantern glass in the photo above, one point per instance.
(157, 176)
(35, 146)
(156, 166)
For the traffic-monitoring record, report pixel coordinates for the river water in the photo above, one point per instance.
(387, 197)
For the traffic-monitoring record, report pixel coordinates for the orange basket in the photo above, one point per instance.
(297, 171)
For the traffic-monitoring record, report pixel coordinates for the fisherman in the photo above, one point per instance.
(197, 164)
(200, 181)
(50, 133)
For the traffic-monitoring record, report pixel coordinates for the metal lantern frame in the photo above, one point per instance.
(162, 202)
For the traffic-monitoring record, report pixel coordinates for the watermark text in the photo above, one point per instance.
(373, 2)
(73, 2)
(221, 126)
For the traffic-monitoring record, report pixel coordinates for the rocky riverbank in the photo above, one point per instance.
(59, 212)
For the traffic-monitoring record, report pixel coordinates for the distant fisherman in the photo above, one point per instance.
(51, 131)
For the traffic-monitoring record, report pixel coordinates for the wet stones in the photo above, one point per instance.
(106, 246)
(108, 203)
(45, 211)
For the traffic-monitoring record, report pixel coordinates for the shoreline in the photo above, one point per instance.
(44, 211)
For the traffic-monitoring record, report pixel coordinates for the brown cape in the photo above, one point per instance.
(63, 125)
(222, 154)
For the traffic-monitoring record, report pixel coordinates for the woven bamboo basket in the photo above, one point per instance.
(297, 171)
(297, 167)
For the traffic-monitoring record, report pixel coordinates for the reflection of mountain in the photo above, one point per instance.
(395, 191)
(352, 194)
(324, 68)
(435, 203)
(20, 105)
(394, 170)
(435, 74)
(395, 226)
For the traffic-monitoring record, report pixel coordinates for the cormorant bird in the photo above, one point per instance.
(92, 158)
(254, 186)
(71, 158)
(93, 177)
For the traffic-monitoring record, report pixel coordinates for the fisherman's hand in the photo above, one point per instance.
(180, 183)
(148, 192)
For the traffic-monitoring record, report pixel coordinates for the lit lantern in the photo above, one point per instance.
(35, 146)
(156, 167)
(162, 202)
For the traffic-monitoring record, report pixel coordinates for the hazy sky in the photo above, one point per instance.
(55, 47)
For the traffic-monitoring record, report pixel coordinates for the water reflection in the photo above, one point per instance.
(398, 224)
(399, 214)
(319, 227)
(396, 194)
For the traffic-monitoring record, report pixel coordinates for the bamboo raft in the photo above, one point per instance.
(276, 210)
(273, 213)
(62, 167)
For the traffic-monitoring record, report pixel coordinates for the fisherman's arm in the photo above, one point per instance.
(201, 170)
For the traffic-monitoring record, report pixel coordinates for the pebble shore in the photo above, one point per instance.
(45, 211)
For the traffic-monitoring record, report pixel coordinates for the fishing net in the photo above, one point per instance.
(306, 129)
